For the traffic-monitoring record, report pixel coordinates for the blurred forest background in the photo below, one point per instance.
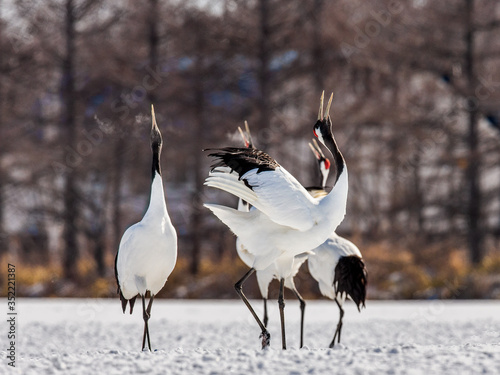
(416, 114)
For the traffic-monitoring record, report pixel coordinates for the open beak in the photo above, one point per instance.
(243, 137)
(324, 115)
(247, 128)
(316, 150)
(247, 138)
(316, 145)
(316, 153)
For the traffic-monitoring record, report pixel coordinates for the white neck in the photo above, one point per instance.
(333, 206)
(157, 206)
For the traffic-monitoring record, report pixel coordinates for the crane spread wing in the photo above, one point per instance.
(281, 197)
(255, 177)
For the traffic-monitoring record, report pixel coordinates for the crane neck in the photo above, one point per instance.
(157, 205)
(335, 203)
(337, 157)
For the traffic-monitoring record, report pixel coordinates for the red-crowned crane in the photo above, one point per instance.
(148, 249)
(287, 221)
(265, 276)
(337, 264)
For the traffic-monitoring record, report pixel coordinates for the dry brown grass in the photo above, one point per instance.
(394, 272)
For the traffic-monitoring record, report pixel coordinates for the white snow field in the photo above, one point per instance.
(93, 336)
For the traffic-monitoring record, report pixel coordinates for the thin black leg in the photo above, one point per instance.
(145, 316)
(302, 312)
(339, 325)
(266, 318)
(148, 310)
(266, 337)
(281, 303)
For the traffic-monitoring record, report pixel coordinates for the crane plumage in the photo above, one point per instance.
(323, 163)
(148, 249)
(337, 264)
(290, 218)
(287, 220)
(266, 275)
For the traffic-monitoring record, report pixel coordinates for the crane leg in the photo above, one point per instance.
(281, 303)
(266, 337)
(146, 314)
(302, 312)
(339, 325)
(148, 310)
(266, 318)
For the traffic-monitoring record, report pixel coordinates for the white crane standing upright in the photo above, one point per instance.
(148, 249)
(287, 220)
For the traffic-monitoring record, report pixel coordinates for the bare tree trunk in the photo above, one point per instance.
(69, 123)
(264, 100)
(100, 225)
(475, 235)
(153, 42)
(3, 235)
(417, 198)
(196, 199)
(69, 233)
(497, 231)
(99, 249)
(116, 189)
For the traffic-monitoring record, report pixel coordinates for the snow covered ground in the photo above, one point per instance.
(89, 336)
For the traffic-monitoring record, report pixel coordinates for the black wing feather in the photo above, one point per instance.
(243, 159)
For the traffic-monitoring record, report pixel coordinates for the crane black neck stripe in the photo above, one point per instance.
(339, 159)
(155, 168)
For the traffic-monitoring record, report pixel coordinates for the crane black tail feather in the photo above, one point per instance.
(118, 290)
(351, 279)
(124, 302)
